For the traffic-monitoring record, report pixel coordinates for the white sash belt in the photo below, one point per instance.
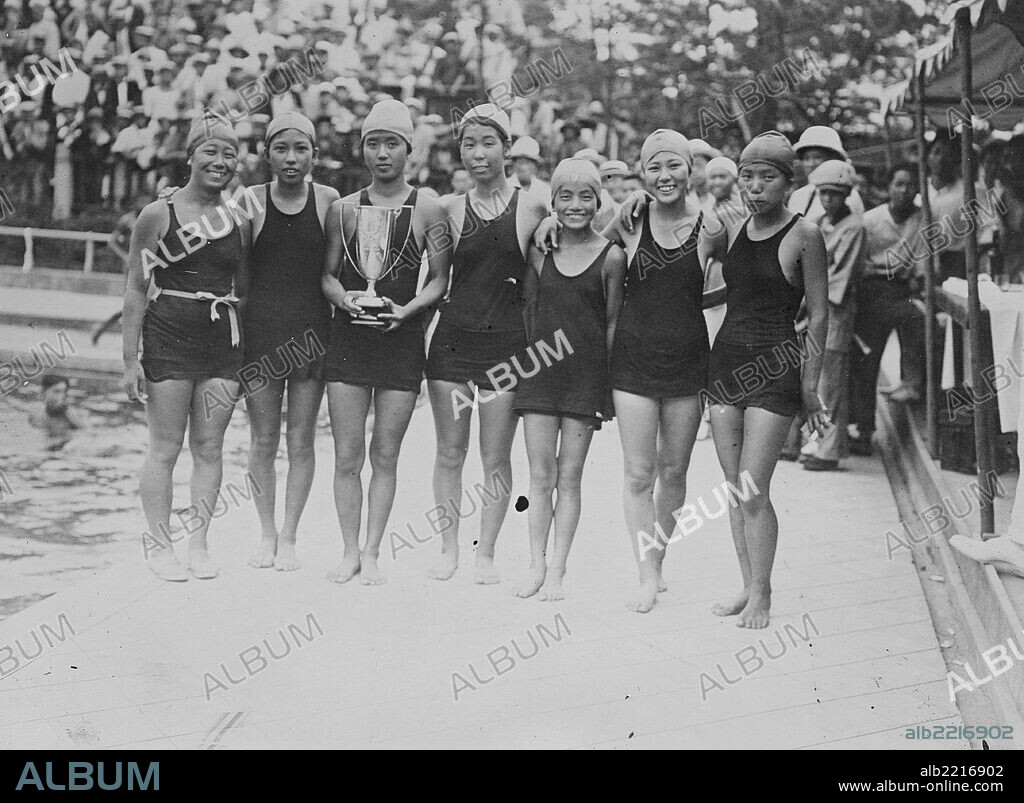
(229, 301)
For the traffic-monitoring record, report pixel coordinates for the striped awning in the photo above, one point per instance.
(997, 50)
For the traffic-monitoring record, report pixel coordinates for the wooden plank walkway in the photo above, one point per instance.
(857, 665)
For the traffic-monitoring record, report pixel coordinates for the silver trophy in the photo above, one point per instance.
(374, 226)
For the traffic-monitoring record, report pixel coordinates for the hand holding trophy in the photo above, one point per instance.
(374, 225)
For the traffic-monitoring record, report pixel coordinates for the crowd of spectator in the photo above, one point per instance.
(135, 72)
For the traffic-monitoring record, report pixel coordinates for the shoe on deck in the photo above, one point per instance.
(812, 463)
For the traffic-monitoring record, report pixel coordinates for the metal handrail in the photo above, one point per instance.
(29, 234)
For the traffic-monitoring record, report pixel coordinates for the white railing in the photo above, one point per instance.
(29, 234)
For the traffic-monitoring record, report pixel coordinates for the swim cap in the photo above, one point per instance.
(770, 148)
(488, 114)
(665, 139)
(576, 170)
(388, 115)
(206, 128)
(299, 122)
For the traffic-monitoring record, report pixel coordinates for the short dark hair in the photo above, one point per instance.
(907, 167)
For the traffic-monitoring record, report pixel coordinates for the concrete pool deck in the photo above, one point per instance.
(128, 661)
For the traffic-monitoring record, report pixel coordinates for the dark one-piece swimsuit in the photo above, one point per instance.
(565, 371)
(660, 348)
(367, 355)
(482, 327)
(184, 337)
(287, 319)
(756, 359)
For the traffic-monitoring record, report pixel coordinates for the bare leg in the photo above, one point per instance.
(167, 417)
(763, 436)
(452, 445)
(497, 431)
(348, 405)
(264, 406)
(638, 418)
(392, 411)
(727, 426)
(304, 397)
(541, 433)
(206, 443)
(572, 456)
(679, 422)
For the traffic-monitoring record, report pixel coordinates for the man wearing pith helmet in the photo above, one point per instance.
(816, 145)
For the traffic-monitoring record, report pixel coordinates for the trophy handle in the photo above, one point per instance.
(344, 238)
(397, 252)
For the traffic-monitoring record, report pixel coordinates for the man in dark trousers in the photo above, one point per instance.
(896, 258)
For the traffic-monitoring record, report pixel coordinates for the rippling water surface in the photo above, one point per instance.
(67, 514)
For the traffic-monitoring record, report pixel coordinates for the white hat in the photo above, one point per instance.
(699, 147)
(820, 136)
(525, 148)
(590, 155)
(614, 168)
(723, 163)
(833, 173)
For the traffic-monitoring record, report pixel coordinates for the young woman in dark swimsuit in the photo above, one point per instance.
(287, 324)
(480, 338)
(372, 364)
(198, 247)
(659, 359)
(573, 296)
(756, 385)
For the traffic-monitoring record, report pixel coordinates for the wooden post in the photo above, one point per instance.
(931, 378)
(29, 262)
(90, 248)
(982, 438)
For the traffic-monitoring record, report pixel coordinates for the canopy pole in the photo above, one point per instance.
(982, 437)
(931, 380)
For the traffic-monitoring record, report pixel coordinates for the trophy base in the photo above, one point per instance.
(369, 320)
(372, 306)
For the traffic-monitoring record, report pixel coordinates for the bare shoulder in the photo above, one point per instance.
(429, 205)
(450, 202)
(616, 255)
(153, 217)
(614, 260)
(806, 232)
(328, 194)
(535, 205)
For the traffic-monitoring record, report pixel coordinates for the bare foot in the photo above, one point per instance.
(484, 572)
(552, 590)
(344, 571)
(200, 565)
(533, 582)
(648, 595)
(733, 606)
(369, 572)
(165, 565)
(264, 557)
(1001, 553)
(755, 614)
(446, 567)
(286, 560)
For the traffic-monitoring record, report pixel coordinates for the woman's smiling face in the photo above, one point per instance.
(666, 176)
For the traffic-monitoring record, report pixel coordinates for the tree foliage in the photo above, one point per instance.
(674, 58)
